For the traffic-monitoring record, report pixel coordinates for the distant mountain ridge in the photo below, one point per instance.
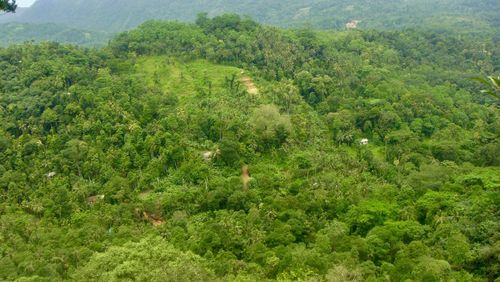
(14, 33)
(120, 15)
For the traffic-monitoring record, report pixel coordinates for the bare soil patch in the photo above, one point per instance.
(249, 84)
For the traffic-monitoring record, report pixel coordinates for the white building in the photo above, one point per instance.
(352, 24)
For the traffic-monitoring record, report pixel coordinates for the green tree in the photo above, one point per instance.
(8, 5)
(365, 216)
(76, 152)
(150, 259)
(270, 127)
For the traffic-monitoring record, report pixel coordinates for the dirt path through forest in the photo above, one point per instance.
(249, 84)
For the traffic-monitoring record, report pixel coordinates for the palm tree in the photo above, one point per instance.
(493, 83)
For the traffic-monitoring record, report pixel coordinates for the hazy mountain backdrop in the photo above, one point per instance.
(119, 15)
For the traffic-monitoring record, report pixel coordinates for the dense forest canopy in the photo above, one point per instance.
(371, 156)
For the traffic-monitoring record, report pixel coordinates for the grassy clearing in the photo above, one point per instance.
(183, 79)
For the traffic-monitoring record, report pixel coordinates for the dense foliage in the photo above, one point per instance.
(124, 163)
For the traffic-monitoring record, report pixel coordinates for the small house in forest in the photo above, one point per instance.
(210, 155)
(93, 199)
(364, 142)
(352, 24)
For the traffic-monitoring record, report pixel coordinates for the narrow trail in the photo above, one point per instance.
(249, 84)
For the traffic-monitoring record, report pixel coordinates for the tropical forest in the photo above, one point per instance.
(297, 140)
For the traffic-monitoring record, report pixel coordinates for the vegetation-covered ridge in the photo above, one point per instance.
(125, 163)
(109, 15)
(91, 22)
(15, 33)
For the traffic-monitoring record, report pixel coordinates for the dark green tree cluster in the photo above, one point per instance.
(8, 5)
(125, 163)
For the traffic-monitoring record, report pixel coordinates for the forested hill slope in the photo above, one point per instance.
(126, 163)
(112, 15)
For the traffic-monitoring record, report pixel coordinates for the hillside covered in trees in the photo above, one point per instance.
(125, 163)
(464, 16)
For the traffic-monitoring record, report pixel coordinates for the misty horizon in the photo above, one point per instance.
(25, 3)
